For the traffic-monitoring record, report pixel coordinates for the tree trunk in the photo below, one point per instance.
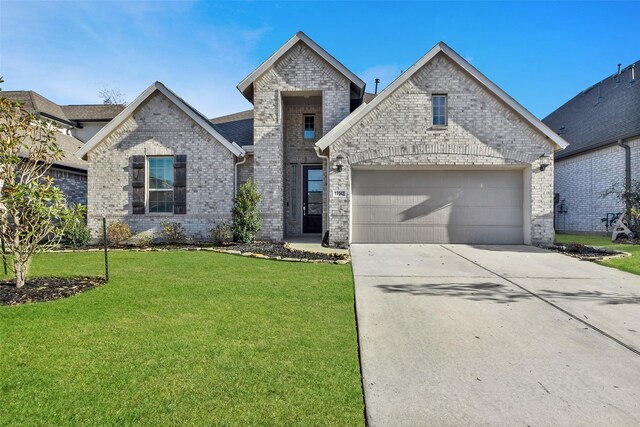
(20, 268)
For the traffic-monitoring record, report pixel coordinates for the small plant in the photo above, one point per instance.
(76, 232)
(221, 233)
(145, 239)
(118, 232)
(172, 231)
(245, 213)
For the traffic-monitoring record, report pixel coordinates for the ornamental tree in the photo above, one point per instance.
(33, 211)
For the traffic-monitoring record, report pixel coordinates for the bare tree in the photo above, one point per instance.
(32, 208)
(112, 96)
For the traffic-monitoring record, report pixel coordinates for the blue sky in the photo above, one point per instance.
(541, 53)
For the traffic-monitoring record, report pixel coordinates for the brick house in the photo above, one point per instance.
(441, 155)
(602, 123)
(73, 126)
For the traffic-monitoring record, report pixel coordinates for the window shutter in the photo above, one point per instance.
(137, 183)
(180, 184)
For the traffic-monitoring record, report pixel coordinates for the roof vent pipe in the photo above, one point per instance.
(377, 81)
(618, 74)
(633, 72)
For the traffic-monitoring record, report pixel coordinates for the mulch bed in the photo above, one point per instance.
(581, 251)
(275, 250)
(45, 289)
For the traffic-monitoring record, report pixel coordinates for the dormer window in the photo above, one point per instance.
(309, 126)
(439, 108)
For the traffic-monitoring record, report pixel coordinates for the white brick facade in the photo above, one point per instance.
(582, 179)
(159, 127)
(481, 131)
(301, 69)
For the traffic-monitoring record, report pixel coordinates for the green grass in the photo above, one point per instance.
(630, 264)
(184, 338)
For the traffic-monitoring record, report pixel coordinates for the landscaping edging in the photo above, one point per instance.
(339, 259)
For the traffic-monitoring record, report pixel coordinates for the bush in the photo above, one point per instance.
(145, 239)
(172, 231)
(246, 215)
(76, 232)
(118, 232)
(221, 233)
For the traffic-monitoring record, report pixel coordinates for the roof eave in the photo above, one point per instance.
(359, 113)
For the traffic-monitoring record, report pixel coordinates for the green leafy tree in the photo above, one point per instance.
(33, 211)
(247, 221)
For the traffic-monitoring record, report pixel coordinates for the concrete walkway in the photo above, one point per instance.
(495, 335)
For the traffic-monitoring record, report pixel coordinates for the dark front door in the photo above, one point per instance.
(312, 203)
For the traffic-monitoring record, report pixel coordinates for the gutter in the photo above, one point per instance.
(235, 174)
(627, 171)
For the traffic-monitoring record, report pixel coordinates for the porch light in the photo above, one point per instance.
(544, 161)
(339, 163)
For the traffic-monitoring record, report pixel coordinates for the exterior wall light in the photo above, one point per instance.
(544, 161)
(339, 163)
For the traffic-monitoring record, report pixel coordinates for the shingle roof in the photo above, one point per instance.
(69, 146)
(368, 97)
(92, 112)
(599, 115)
(36, 103)
(237, 127)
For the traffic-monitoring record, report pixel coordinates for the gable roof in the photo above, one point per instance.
(179, 102)
(364, 109)
(35, 103)
(246, 85)
(601, 114)
(237, 127)
(91, 112)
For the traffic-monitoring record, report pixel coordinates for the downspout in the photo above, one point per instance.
(235, 175)
(627, 171)
(325, 238)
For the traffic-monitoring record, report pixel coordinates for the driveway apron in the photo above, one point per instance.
(495, 335)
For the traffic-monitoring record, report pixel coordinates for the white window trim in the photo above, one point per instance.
(148, 189)
(446, 110)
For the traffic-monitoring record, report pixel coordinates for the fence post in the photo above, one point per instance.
(4, 257)
(104, 241)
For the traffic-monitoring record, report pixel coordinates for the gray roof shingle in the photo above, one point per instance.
(599, 115)
(237, 127)
(92, 112)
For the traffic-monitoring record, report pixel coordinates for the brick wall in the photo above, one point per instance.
(300, 69)
(481, 131)
(72, 184)
(159, 127)
(245, 171)
(580, 181)
(297, 152)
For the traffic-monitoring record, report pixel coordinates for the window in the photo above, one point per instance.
(439, 103)
(160, 184)
(309, 126)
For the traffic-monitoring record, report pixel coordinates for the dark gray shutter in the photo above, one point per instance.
(180, 184)
(137, 183)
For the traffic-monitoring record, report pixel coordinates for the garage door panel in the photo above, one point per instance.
(444, 206)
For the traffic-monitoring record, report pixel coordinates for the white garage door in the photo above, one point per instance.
(437, 206)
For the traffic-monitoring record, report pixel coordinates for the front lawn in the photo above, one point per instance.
(184, 338)
(630, 264)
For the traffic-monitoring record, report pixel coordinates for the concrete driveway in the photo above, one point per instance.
(495, 335)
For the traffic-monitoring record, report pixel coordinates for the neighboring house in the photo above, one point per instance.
(441, 155)
(599, 122)
(74, 125)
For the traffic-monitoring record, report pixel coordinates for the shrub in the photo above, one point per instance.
(630, 198)
(118, 232)
(145, 239)
(221, 233)
(246, 215)
(173, 232)
(76, 232)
